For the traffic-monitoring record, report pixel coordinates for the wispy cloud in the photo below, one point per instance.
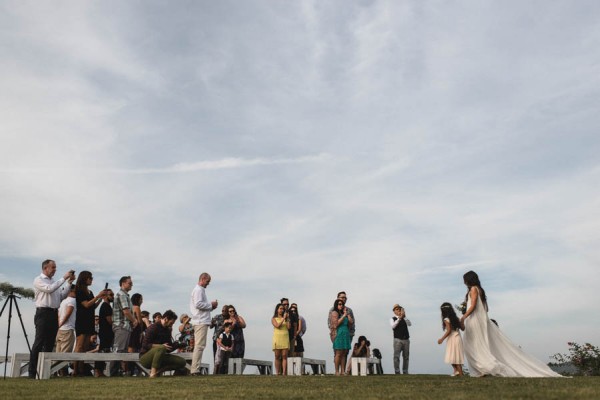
(225, 163)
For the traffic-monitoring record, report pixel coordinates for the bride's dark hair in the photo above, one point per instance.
(448, 312)
(471, 279)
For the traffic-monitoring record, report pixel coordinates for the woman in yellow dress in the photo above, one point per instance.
(281, 338)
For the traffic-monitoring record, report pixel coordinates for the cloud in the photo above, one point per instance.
(377, 148)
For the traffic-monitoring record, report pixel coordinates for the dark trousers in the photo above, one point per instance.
(46, 327)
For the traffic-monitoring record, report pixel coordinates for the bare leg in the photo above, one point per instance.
(81, 346)
(459, 370)
(337, 359)
(344, 355)
(284, 357)
(277, 362)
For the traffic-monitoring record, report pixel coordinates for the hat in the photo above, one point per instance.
(183, 316)
(396, 306)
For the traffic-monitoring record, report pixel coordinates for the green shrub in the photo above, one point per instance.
(586, 358)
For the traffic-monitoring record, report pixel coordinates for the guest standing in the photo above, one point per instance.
(238, 324)
(48, 295)
(296, 343)
(200, 309)
(400, 325)
(85, 325)
(281, 338)
(186, 334)
(454, 346)
(225, 343)
(122, 319)
(105, 332)
(65, 338)
(216, 323)
(135, 339)
(340, 320)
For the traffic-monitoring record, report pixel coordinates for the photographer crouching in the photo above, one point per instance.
(158, 344)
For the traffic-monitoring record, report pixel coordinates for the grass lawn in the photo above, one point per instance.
(302, 387)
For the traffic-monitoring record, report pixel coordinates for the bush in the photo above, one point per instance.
(586, 358)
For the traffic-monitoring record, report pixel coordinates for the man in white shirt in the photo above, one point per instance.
(200, 309)
(48, 294)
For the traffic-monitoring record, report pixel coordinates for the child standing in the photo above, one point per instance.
(224, 349)
(454, 346)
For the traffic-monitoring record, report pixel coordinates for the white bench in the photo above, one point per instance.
(237, 366)
(4, 360)
(188, 358)
(16, 365)
(296, 365)
(360, 365)
(48, 363)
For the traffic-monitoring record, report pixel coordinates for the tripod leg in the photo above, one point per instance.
(7, 332)
(22, 325)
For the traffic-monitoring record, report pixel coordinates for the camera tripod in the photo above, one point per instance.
(10, 300)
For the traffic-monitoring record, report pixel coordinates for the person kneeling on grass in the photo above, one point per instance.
(158, 344)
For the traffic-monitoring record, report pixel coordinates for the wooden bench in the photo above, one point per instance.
(360, 365)
(237, 366)
(49, 363)
(296, 366)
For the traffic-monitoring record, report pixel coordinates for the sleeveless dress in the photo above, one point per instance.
(281, 337)
(489, 352)
(454, 347)
(342, 339)
(239, 345)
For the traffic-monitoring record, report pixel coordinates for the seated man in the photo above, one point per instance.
(156, 346)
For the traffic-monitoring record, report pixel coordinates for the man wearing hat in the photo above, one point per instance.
(400, 326)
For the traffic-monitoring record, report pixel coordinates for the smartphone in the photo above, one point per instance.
(106, 286)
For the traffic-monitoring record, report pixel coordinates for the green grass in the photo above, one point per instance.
(302, 387)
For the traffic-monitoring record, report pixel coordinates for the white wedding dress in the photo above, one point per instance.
(489, 352)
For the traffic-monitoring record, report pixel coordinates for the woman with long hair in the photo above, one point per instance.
(86, 304)
(340, 335)
(487, 350)
(135, 339)
(281, 338)
(238, 324)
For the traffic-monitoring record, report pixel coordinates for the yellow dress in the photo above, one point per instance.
(281, 337)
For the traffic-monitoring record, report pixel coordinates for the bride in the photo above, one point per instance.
(487, 350)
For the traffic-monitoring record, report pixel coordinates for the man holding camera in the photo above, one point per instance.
(400, 325)
(48, 296)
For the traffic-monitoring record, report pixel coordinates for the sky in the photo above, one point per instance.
(298, 149)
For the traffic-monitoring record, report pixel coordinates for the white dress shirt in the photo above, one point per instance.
(48, 292)
(200, 307)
